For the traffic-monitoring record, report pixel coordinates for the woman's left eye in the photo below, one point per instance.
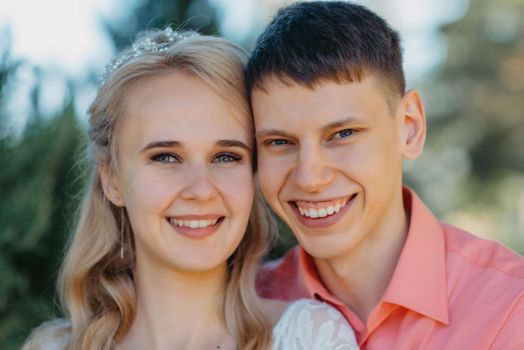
(226, 158)
(165, 158)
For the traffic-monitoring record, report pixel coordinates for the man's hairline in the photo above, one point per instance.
(391, 94)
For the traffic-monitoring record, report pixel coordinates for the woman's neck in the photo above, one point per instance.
(178, 310)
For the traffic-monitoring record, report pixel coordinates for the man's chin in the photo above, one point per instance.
(325, 247)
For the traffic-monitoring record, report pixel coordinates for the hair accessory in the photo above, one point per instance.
(161, 42)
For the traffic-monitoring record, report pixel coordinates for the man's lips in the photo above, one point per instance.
(320, 209)
(322, 213)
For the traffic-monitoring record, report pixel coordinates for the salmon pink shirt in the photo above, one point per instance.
(450, 290)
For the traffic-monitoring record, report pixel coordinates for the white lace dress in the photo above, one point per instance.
(313, 325)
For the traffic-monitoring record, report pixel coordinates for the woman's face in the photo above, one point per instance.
(185, 174)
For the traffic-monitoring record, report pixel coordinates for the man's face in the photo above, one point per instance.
(330, 161)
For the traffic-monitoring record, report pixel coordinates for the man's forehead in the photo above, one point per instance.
(336, 99)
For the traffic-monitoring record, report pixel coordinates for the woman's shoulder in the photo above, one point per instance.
(312, 324)
(52, 335)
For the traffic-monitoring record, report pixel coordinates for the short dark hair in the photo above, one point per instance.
(308, 42)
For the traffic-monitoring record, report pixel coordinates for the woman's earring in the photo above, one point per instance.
(121, 233)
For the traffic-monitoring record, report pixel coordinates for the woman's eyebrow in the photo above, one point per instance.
(233, 143)
(271, 132)
(161, 144)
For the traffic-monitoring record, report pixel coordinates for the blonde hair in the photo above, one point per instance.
(96, 286)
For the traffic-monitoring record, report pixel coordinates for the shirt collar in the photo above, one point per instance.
(312, 283)
(419, 280)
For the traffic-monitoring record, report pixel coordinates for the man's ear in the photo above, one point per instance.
(413, 125)
(111, 185)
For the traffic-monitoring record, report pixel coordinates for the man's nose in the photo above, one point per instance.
(312, 172)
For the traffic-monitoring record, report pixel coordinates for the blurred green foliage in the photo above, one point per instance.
(472, 171)
(35, 208)
(36, 184)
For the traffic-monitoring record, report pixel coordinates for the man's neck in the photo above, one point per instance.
(360, 277)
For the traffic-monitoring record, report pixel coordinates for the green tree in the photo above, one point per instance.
(37, 187)
(181, 14)
(474, 170)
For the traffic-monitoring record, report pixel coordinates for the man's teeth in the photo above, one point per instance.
(321, 212)
(193, 223)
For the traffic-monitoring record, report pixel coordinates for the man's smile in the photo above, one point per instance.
(321, 209)
(320, 214)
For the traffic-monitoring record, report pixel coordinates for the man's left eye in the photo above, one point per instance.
(343, 133)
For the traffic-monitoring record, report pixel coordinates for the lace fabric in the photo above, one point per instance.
(313, 325)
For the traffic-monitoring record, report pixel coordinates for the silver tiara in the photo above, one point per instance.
(145, 45)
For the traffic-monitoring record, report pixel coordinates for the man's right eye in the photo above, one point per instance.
(276, 142)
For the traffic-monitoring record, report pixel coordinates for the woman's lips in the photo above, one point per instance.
(197, 227)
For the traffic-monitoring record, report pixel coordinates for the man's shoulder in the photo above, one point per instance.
(485, 282)
(482, 253)
(278, 279)
(286, 263)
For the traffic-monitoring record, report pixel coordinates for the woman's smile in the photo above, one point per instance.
(196, 226)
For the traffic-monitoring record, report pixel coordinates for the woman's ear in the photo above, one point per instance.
(413, 125)
(111, 185)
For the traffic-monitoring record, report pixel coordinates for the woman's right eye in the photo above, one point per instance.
(165, 158)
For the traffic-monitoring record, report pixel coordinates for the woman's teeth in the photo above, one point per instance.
(193, 223)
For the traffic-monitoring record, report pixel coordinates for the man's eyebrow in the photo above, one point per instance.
(233, 143)
(161, 144)
(332, 125)
(342, 122)
(268, 132)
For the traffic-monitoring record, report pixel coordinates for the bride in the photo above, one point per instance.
(172, 228)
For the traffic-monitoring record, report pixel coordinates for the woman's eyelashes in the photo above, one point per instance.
(165, 158)
(170, 158)
(227, 157)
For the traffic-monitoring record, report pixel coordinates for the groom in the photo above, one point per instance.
(333, 125)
